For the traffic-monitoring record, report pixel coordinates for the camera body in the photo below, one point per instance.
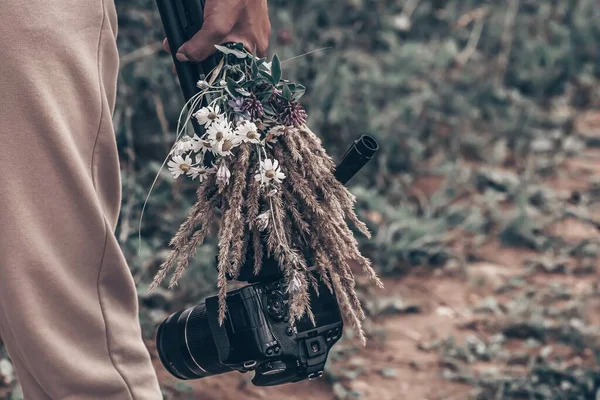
(257, 333)
(255, 336)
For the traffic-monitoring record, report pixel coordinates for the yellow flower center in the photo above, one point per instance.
(184, 167)
(212, 116)
(252, 135)
(227, 144)
(270, 174)
(219, 136)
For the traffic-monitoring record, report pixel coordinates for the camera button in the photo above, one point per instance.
(315, 347)
(276, 349)
(313, 376)
(269, 351)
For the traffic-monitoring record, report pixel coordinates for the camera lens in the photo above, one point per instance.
(186, 347)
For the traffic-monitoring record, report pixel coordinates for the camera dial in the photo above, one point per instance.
(276, 305)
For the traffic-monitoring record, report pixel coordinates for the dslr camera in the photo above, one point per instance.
(256, 334)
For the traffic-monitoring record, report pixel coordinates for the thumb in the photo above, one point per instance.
(202, 45)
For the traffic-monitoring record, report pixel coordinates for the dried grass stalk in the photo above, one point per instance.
(307, 214)
(202, 212)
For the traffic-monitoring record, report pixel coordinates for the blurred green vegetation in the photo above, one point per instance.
(481, 95)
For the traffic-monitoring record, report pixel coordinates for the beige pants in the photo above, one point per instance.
(68, 305)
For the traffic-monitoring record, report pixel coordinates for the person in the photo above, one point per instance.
(68, 304)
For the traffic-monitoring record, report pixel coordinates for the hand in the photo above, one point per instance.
(245, 21)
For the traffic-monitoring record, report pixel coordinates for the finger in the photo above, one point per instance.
(202, 45)
(166, 45)
(261, 51)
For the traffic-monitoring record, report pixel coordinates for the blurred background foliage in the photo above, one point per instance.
(475, 105)
(469, 99)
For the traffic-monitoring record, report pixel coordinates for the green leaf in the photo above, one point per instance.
(234, 88)
(266, 75)
(269, 111)
(298, 95)
(287, 93)
(297, 90)
(231, 87)
(235, 52)
(254, 69)
(264, 96)
(276, 69)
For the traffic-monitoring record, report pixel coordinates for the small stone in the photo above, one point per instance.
(546, 351)
(389, 373)
(339, 391)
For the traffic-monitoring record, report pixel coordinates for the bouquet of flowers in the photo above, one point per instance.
(259, 163)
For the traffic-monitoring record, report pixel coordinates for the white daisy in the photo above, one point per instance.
(269, 170)
(262, 221)
(179, 165)
(198, 172)
(182, 146)
(222, 138)
(223, 174)
(248, 132)
(207, 115)
(200, 145)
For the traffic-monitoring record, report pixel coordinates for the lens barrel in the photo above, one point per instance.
(362, 150)
(186, 347)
